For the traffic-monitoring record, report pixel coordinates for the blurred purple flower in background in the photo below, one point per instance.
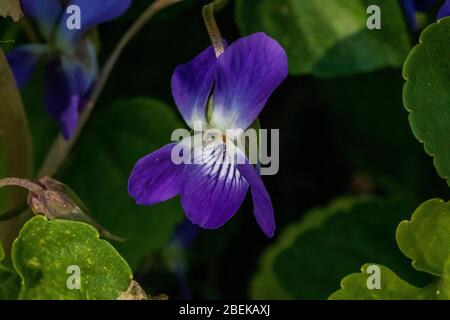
(176, 259)
(412, 6)
(71, 61)
(238, 82)
(444, 11)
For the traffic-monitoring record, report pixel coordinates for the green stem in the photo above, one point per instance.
(61, 148)
(212, 27)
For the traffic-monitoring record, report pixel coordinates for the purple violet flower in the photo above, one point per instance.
(412, 6)
(71, 61)
(238, 83)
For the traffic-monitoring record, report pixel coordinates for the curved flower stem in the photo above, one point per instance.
(212, 27)
(61, 148)
(24, 183)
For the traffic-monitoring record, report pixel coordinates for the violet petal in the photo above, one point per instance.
(212, 191)
(155, 177)
(191, 86)
(247, 74)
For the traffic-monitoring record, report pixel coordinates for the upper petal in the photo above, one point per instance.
(93, 12)
(262, 205)
(444, 11)
(213, 189)
(23, 60)
(247, 73)
(191, 86)
(46, 12)
(155, 177)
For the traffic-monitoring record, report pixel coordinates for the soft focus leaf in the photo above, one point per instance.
(2, 254)
(117, 138)
(9, 281)
(425, 240)
(265, 284)
(329, 38)
(16, 157)
(9, 285)
(313, 256)
(426, 93)
(44, 251)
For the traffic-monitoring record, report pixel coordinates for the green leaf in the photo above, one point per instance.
(354, 287)
(425, 240)
(329, 38)
(312, 257)
(117, 137)
(45, 250)
(426, 93)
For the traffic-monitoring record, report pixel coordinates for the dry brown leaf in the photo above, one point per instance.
(134, 292)
(11, 8)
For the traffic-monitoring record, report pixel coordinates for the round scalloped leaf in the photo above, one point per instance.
(311, 257)
(426, 93)
(363, 286)
(47, 253)
(329, 38)
(426, 238)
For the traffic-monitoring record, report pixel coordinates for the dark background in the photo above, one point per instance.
(325, 149)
